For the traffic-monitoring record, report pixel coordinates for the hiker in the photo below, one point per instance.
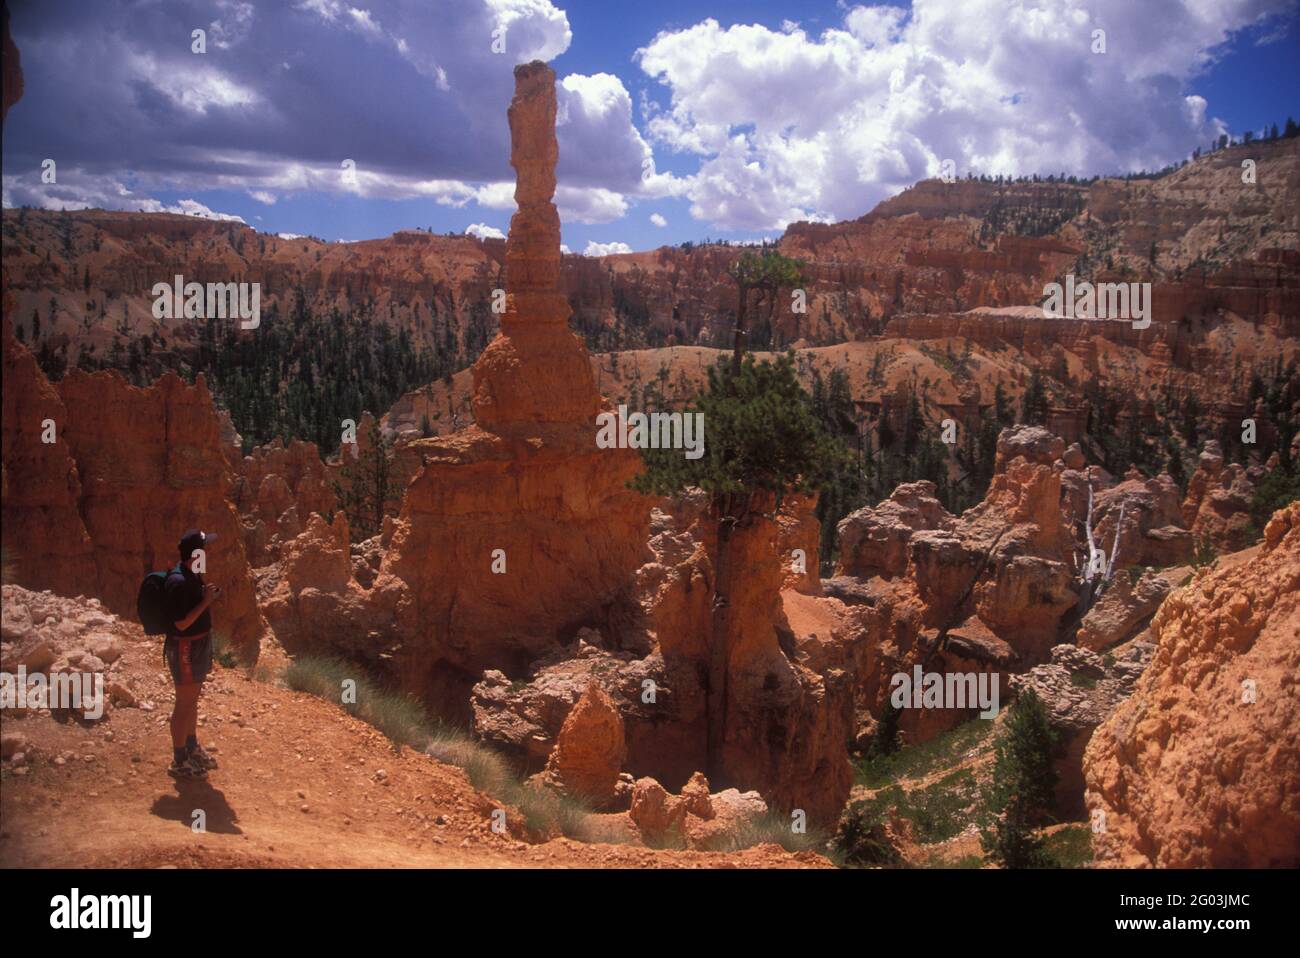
(188, 652)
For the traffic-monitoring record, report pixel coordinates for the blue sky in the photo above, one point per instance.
(748, 115)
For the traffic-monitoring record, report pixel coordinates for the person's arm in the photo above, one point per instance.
(210, 593)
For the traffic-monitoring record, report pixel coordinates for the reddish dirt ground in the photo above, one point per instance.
(301, 784)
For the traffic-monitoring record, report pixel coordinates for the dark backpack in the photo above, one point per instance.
(151, 603)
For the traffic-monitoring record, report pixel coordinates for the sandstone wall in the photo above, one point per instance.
(132, 469)
(152, 466)
(1201, 767)
(276, 489)
(46, 545)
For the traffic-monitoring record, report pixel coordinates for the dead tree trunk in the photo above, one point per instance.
(733, 512)
(1097, 571)
(742, 329)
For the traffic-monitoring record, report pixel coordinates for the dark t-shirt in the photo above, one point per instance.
(183, 591)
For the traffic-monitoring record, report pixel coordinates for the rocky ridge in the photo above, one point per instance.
(1200, 767)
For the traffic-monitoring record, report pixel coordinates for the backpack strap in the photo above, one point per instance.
(167, 638)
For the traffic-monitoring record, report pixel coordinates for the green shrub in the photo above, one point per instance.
(945, 808)
(876, 771)
(773, 828)
(263, 673)
(1205, 554)
(1023, 768)
(886, 740)
(400, 718)
(1277, 489)
(763, 438)
(223, 653)
(1070, 847)
(937, 812)
(1011, 841)
(861, 838)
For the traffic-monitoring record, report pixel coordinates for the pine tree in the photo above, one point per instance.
(1024, 785)
(1033, 405)
(1011, 841)
(1174, 463)
(367, 488)
(886, 740)
(1002, 407)
(913, 425)
(764, 442)
(766, 275)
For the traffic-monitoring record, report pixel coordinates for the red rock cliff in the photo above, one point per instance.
(1201, 767)
(132, 469)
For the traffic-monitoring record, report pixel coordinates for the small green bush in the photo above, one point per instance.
(861, 837)
(223, 652)
(774, 828)
(1070, 847)
(937, 812)
(1277, 489)
(878, 770)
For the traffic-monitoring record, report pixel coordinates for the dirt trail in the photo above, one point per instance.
(301, 784)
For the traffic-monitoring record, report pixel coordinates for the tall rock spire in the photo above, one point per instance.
(533, 248)
(526, 485)
(536, 372)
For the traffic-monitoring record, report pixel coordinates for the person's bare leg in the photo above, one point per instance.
(192, 728)
(185, 714)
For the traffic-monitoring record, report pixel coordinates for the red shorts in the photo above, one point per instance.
(188, 657)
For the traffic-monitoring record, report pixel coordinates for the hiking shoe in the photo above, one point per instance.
(186, 769)
(200, 757)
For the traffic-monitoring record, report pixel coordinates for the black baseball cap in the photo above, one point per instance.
(195, 539)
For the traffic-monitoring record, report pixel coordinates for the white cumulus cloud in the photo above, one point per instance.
(605, 249)
(789, 125)
(590, 205)
(412, 91)
(483, 231)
